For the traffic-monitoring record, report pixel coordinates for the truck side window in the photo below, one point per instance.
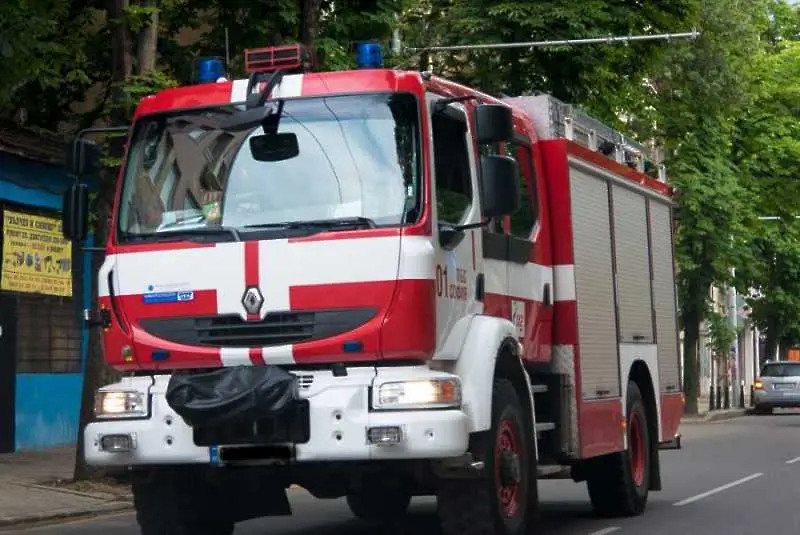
(451, 161)
(524, 220)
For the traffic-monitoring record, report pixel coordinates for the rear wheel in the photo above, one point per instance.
(619, 483)
(761, 409)
(504, 500)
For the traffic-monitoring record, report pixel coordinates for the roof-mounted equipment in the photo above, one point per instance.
(287, 58)
(369, 55)
(209, 70)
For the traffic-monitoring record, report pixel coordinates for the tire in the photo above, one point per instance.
(764, 411)
(176, 503)
(379, 506)
(619, 484)
(489, 505)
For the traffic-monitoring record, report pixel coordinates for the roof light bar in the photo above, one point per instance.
(278, 58)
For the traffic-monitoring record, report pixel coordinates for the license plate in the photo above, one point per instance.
(784, 387)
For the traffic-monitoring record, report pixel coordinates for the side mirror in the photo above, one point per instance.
(494, 123)
(500, 189)
(75, 213)
(274, 147)
(83, 157)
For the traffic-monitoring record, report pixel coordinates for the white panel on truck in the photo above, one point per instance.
(664, 296)
(594, 285)
(634, 297)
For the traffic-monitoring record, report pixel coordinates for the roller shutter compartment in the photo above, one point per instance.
(594, 287)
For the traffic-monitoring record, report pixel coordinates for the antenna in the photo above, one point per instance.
(227, 47)
(694, 34)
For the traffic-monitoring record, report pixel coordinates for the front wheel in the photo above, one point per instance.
(177, 502)
(504, 500)
(619, 484)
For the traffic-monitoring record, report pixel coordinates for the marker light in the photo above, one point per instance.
(369, 55)
(210, 70)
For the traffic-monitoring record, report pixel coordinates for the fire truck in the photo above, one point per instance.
(379, 284)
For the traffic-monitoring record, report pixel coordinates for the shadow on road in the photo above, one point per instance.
(555, 518)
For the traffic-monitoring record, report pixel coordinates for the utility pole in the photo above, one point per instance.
(733, 320)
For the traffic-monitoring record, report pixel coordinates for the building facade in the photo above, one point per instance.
(43, 289)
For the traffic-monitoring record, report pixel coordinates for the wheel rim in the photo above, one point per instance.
(507, 469)
(636, 449)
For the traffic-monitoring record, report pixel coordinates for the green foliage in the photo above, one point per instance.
(48, 56)
(721, 334)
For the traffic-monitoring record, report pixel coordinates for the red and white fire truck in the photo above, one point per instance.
(379, 284)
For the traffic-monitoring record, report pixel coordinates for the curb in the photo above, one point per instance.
(115, 498)
(86, 512)
(716, 416)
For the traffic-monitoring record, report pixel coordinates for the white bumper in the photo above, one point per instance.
(340, 416)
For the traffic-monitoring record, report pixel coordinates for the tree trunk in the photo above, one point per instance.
(97, 373)
(309, 21)
(121, 45)
(148, 40)
(691, 337)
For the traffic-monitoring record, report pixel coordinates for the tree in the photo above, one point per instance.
(604, 79)
(767, 150)
(133, 33)
(49, 69)
(702, 88)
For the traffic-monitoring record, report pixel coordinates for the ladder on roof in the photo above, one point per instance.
(558, 119)
(576, 125)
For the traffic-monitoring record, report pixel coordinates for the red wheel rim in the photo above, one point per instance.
(636, 449)
(508, 494)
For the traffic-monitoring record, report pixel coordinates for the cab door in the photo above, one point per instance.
(459, 280)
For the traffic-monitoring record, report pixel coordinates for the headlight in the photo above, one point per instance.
(421, 394)
(120, 404)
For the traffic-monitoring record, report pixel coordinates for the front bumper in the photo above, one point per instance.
(340, 416)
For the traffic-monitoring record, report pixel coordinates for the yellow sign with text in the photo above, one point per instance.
(36, 257)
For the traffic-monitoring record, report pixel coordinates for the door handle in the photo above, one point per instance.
(546, 298)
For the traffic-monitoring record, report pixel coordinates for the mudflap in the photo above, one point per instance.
(250, 493)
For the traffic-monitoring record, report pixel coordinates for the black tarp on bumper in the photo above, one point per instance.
(241, 405)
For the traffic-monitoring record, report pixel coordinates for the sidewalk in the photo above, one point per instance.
(35, 487)
(704, 415)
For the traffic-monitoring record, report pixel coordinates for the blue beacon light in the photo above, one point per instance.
(369, 55)
(209, 70)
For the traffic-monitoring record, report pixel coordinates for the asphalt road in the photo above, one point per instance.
(738, 477)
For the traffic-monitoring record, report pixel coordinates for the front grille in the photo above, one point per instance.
(274, 330)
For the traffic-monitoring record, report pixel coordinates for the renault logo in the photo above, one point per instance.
(252, 300)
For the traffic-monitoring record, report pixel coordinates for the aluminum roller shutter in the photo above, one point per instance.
(634, 297)
(665, 298)
(591, 233)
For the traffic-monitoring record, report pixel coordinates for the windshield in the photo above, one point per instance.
(784, 369)
(358, 157)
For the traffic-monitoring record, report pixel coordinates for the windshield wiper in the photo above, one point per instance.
(178, 233)
(327, 224)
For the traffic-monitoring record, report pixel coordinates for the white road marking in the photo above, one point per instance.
(711, 492)
(605, 531)
(796, 459)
